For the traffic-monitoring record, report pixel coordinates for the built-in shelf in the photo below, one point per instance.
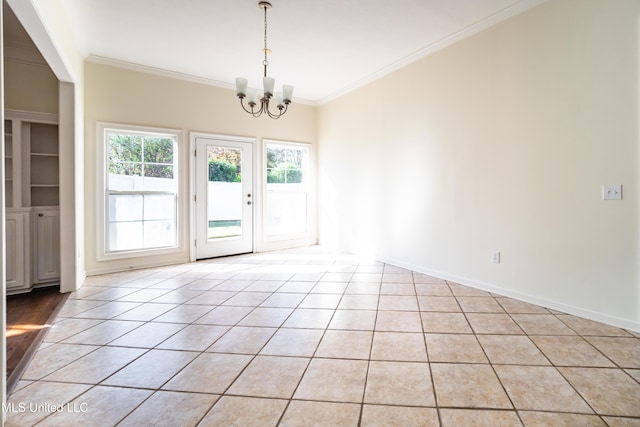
(8, 163)
(32, 199)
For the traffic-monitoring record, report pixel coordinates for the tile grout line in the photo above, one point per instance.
(254, 356)
(373, 336)
(426, 349)
(552, 364)
(325, 330)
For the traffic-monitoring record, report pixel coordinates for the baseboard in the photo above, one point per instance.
(142, 266)
(619, 322)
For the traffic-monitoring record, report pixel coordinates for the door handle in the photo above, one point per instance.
(248, 202)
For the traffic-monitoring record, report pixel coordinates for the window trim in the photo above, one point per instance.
(102, 193)
(300, 238)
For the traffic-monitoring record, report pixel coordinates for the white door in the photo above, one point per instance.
(224, 197)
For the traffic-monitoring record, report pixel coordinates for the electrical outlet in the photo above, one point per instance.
(495, 257)
(612, 192)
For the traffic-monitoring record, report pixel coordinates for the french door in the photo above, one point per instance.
(224, 196)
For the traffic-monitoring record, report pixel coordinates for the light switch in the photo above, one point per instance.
(612, 192)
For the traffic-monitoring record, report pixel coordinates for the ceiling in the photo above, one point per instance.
(322, 48)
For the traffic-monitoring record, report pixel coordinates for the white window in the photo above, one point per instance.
(140, 187)
(287, 190)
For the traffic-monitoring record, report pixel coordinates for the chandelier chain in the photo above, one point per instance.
(266, 50)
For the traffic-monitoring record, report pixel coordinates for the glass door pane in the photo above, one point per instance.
(224, 193)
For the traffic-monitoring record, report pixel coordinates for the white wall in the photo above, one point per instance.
(117, 95)
(46, 23)
(501, 142)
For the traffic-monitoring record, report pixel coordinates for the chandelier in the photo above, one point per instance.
(282, 99)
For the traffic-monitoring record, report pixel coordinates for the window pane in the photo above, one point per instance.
(124, 176)
(158, 171)
(286, 213)
(158, 150)
(147, 163)
(125, 207)
(159, 177)
(294, 158)
(125, 236)
(275, 157)
(124, 148)
(294, 176)
(159, 234)
(286, 198)
(125, 168)
(159, 207)
(284, 165)
(275, 176)
(124, 157)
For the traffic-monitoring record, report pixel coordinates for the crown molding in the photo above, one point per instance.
(469, 31)
(172, 74)
(102, 60)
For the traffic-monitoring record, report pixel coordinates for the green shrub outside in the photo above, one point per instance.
(223, 171)
(284, 175)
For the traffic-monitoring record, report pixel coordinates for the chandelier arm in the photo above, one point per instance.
(252, 112)
(273, 116)
(280, 112)
(243, 106)
(265, 105)
(257, 113)
(266, 110)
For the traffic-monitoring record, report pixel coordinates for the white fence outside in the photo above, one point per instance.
(224, 201)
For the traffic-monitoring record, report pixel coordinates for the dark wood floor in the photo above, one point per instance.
(27, 316)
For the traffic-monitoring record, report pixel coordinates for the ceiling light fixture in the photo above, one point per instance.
(283, 99)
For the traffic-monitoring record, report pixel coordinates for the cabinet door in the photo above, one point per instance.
(17, 261)
(46, 245)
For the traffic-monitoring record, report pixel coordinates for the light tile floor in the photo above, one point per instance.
(309, 338)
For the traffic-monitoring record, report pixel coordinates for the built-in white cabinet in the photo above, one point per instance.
(32, 199)
(46, 245)
(17, 258)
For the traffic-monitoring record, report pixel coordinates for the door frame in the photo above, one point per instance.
(193, 215)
